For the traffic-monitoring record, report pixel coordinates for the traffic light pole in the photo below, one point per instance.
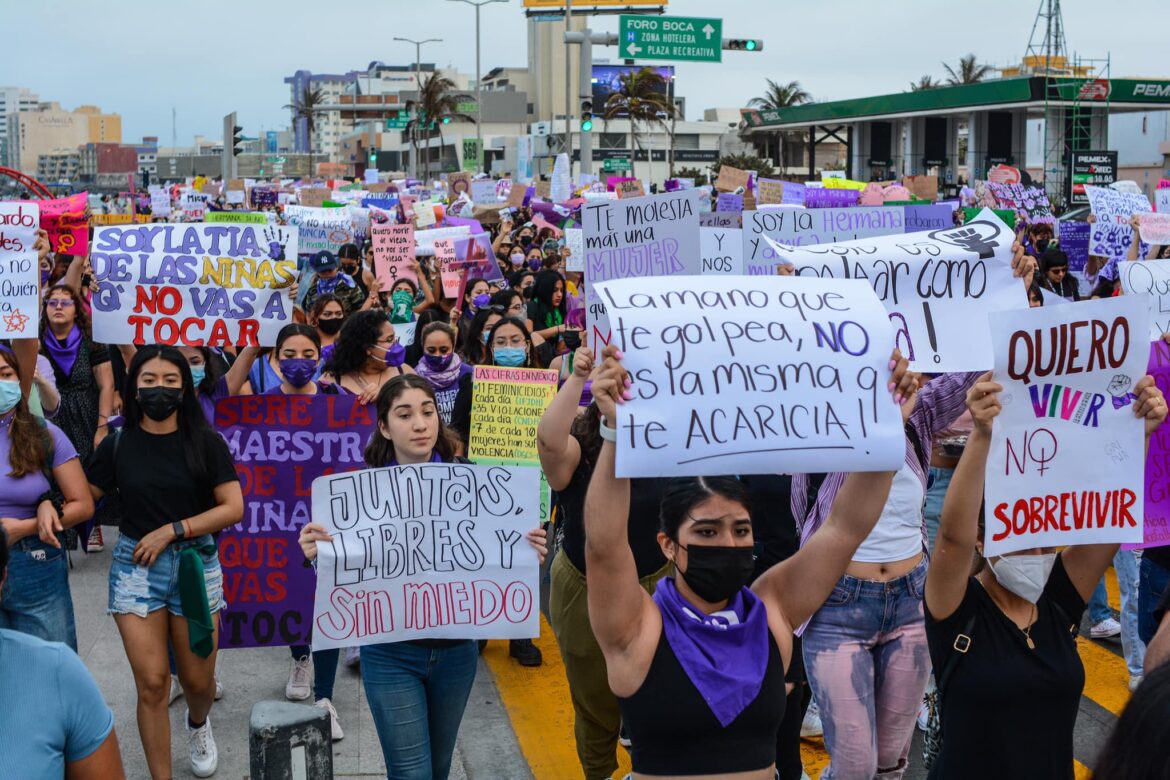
(228, 160)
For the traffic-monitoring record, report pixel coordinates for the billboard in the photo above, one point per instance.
(607, 80)
(1098, 169)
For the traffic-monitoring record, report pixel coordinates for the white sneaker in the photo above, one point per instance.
(300, 679)
(204, 755)
(353, 657)
(811, 725)
(1105, 629)
(1134, 681)
(218, 689)
(176, 689)
(334, 724)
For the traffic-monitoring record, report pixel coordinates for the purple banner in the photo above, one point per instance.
(280, 443)
(1156, 530)
(929, 216)
(825, 198)
(262, 197)
(729, 202)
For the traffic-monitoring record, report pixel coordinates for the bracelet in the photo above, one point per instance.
(179, 530)
(607, 433)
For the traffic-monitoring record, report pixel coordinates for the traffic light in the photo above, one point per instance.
(446, 120)
(237, 140)
(743, 44)
(586, 116)
(145, 179)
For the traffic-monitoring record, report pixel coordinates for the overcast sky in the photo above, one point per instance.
(209, 57)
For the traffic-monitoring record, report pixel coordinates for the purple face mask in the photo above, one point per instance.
(298, 371)
(481, 300)
(439, 362)
(394, 355)
(534, 264)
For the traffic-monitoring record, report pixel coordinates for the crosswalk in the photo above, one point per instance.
(538, 705)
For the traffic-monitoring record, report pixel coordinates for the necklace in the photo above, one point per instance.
(1028, 631)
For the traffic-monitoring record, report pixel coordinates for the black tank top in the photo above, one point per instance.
(674, 732)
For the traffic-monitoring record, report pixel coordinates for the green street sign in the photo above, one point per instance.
(614, 164)
(683, 38)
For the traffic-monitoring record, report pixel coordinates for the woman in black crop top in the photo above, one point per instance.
(698, 668)
(1003, 638)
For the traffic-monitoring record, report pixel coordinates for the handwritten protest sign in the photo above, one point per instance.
(20, 272)
(770, 191)
(65, 222)
(730, 179)
(1149, 281)
(925, 187)
(575, 241)
(313, 197)
(721, 250)
(841, 183)
(753, 375)
(1111, 235)
(938, 287)
(475, 253)
(160, 202)
(729, 203)
(1074, 242)
(320, 229)
(721, 219)
(431, 551)
(483, 191)
(192, 285)
(630, 188)
(236, 218)
(1162, 200)
(1156, 531)
(280, 444)
(452, 279)
(192, 203)
(1029, 202)
(425, 240)
(826, 198)
(1065, 465)
(458, 184)
(929, 217)
(800, 227)
(507, 404)
(657, 235)
(393, 253)
(1155, 228)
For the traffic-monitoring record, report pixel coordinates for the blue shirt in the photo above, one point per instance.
(53, 712)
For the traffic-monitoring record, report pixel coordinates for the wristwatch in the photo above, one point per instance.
(180, 532)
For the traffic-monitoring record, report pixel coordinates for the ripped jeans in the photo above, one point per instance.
(867, 661)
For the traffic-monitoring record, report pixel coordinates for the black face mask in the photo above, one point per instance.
(349, 268)
(1042, 245)
(717, 573)
(572, 339)
(159, 403)
(330, 327)
(528, 291)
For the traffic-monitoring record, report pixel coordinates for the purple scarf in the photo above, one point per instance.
(725, 654)
(329, 286)
(441, 379)
(64, 355)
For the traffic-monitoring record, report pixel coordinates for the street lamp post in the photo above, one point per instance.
(478, 80)
(418, 82)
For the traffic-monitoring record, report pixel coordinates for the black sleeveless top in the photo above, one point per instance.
(674, 732)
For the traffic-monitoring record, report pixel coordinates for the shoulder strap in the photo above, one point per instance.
(916, 443)
(961, 645)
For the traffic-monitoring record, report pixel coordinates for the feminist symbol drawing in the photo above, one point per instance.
(978, 236)
(16, 321)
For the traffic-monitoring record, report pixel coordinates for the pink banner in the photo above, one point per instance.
(65, 221)
(393, 254)
(1156, 530)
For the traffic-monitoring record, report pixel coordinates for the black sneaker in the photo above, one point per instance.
(525, 653)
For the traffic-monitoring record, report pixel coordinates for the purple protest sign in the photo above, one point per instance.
(825, 198)
(280, 443)
(473, 224)
(264, 197)
(1156, 530)
(731, 202)
(929, 216)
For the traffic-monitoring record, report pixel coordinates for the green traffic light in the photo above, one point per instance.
(446, 120)
(587, 126)
(750, 46)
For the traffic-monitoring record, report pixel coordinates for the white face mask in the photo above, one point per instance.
(1024, 575)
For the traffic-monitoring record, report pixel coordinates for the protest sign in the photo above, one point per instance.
(769, 191)
(1006, 216)
(1162, 201)
(192, 203)
(393, 254)
(575, 241)
(925, 187)
(1155, 228)
(938, 287)
(160, 202)
(102, 220)
(192, 285)
(424, 214)
(929, 217)
(507, 404)
(262, 196)
(1156, 531)
(721, 250)
(801, 227)
(457, 184)
(516, 196)
(657, 235)
(280, 444)
(429, 551)
(475, 253)
(483, 191)
(320, 229)
(841, 183)
(753, 375)
(561, 185)
(1004, 174)
(729, 203)
(65, 222)
(1150, 282)
(1031, 203)
(731, 179)
(444, 249)
(1073, 240)
(313, 197)
(235, 197)
(630, 188)
(236, 218)
(721, 219)
(20, 271)
(425, 239)
(1065, 465)
(1111, 235)
(826, 198)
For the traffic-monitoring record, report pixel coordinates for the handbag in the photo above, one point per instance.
(932, 740)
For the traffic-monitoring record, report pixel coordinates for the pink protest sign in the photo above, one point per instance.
(393, 253)
(65, 221)
(445, 255)
(1156, 531)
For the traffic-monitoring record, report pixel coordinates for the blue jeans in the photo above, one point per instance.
(867, 660)
(36, 599)
(1152, 583)
(1125, 562)
(417, 696)
(938, 480)
(1099, 604)
(324, 669)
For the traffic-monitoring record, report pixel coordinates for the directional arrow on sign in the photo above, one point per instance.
(633, 49)
(708, 30)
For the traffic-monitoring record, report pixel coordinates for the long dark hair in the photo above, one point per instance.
(542, 292)
(586, 429)
(360, 332)
(297, 329)
(530, 361)
(1132, 751)
(472, 349)
(30, 445)
(80, 317)
(683, 494)
(195, 433)
(212, 372)
(380, 451)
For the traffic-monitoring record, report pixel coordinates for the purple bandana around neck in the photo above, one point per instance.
(724, 660)
(435, 458)
(64, 355)
(329, 286)
(440, 379)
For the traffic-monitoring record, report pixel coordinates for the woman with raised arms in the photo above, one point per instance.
(417, 689)
(698, 668)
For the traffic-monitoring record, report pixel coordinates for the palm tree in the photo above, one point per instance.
(642, 97)
(924, 83)
(436, 106)
(969, 72)
(307, 106)
(781, 96)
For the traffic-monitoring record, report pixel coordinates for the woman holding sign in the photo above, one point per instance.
(1002, 630)
(417, 689)
(699, 667)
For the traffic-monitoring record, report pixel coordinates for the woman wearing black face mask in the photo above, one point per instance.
(350, 258)
(178, 486)
(698, 668)
(327, 316)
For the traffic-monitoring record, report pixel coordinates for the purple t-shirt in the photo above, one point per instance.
(18, 496)
(219, 391)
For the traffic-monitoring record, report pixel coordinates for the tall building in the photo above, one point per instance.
(327, 125)
(13, 100)
(49, 128)
(102, 128)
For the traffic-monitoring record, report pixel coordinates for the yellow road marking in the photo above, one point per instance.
(1081, 772)
(1106, 678)
(1111, 588)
